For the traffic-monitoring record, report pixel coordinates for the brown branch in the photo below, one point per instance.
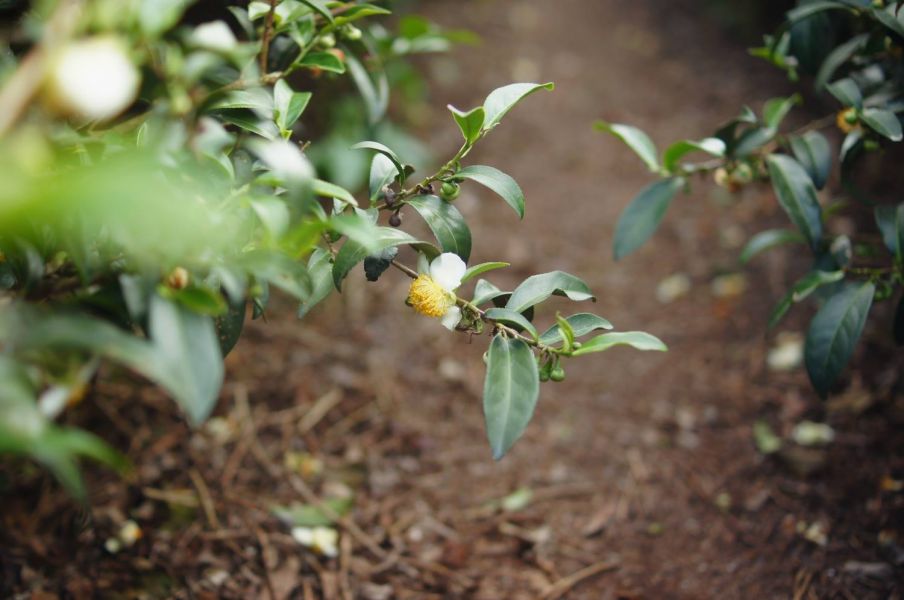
(265, 37)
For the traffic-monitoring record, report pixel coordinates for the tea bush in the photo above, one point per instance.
(156, 188)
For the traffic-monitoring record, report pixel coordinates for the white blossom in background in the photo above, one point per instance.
(93, 79)
(433, 293)
(322, 540)
(215, 36)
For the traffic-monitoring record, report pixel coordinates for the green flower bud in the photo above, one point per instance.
(557, 374)
(449, 191)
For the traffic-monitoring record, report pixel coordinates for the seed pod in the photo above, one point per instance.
(177, 279)
(395, 220)
(557, 374)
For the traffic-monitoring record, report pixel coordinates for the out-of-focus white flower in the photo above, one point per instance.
(93, 79)
(285, 160)
(788, 353)
(215, 36)
(322, 540)
(433, 293)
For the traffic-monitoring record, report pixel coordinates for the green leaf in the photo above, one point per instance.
(678, 150)
(229, 326)
(846, 92)
(642, 217)
(158, 16)
(482, 268)
(770, 238)
(581, 324)
(186, 345)
(890, 220)
(320, 6)
(385, 151)
(331, 190)
(497, 181)
(256, 126)
(470, 123)
(359, 11)
(834, 332)
(636, 140)
(537, 288)
(273, 214)
(811, 8)
(199, 299)
(289, 105)
(510, 392)
(485, 292)
(636, 339)
(502, 100)
(446, 223)
(776, 109)
(813, 152)
(256, 99)
(797, 195)
(837, 57)
(884, 122)
(310, 515)
(800, 291)
(510, 317)
(382, 171)
(374, 91)
(326, 61)
(320, 267)
(352, 252)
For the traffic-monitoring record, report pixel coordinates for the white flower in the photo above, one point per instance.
(433, 293)
(321, 540)
(215, 36)
(93, 79)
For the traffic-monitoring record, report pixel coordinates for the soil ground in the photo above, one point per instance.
(639, 477)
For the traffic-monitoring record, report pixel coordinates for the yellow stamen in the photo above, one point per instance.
(429, 298)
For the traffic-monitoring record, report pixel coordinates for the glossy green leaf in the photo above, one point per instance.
(321, 7)
(846, 92)
(837, 57)
(834, 332)
(510, 392)
(636, 140)
(813, 152)
(320, 267)
(326, 61)
(537, 288)
(800, 291)
(470, 122)
(797, 195)
(385, 151)
(678, 150)
(158, 16)
(288, 105)
(446, 223)
(497, 181)
(642, 216)
(776, 109)
(502, 100)
(373, 87)
(510, 317)
(229, 326)
(199, 299)
(638, 340)
(884, 122)
(581, 324)
(353, 253)
(382, 172)
(483, 268)
(769, 239)
(485, 292)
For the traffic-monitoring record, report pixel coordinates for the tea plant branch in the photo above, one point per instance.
(482, 315)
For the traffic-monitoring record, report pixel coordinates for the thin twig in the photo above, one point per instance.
(265, 37)
(562, 586)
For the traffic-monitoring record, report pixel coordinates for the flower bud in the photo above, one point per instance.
(557, 374)
(327, 40)
(449, 191)
(395, 220)
(177, 279)
(92, 79)
(352, 33)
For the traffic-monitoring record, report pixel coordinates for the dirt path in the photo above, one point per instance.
(639, 467)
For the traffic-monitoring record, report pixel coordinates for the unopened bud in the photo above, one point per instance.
(177, 279)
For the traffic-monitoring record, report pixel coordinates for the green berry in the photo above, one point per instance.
(557, 374)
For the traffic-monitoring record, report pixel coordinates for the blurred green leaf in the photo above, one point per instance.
(770, 238)
(323, 60)
(642, 216)
(847, 92)
(884, 122)
(636, 140)
(813, 152)
(502, 100)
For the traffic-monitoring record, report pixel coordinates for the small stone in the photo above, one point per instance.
(788, 353)
(808, 433)
(729, 286)
(673, 287)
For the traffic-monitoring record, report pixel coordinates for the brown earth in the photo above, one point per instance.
(639, 477)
